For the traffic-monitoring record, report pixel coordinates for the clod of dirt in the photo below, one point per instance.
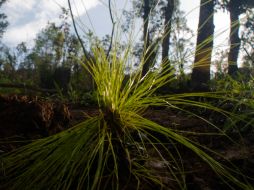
(31, 118)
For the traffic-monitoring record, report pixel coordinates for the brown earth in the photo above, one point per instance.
(23, 119)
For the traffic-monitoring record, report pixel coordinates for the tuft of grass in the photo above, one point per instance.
(118, 148)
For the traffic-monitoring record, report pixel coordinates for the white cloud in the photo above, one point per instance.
(23, 33)
(16, 9)
(20, 5)
(28, 17)
(79, 7)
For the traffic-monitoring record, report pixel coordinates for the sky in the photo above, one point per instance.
(28, 17)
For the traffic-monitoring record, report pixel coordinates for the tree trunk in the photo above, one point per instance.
(201, 71)
(166, 37)
(235, 41)
(146, 37)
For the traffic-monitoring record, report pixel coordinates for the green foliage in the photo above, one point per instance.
(52, 57)
(239, 94)
(3, 22)
(242, 85)
(7, 90)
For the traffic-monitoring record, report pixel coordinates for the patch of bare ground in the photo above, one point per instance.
(24, 118)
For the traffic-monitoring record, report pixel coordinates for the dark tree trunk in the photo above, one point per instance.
(201, 71)
(235, 41)
(146, 37)
(166, 37)
(62, 77)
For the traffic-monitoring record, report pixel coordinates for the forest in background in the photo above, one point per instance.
(51, 63)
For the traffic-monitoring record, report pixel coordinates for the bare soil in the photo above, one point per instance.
(23, 119)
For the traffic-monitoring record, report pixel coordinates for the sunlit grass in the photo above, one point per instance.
(114, 149)
(117, 148)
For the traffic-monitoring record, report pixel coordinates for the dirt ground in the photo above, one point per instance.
(23, 119)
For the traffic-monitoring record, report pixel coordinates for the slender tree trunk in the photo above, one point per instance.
(235, 41)
(166, 37)
(201, 71)
(146, 37)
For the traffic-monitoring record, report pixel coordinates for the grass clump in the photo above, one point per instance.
(116, 149)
